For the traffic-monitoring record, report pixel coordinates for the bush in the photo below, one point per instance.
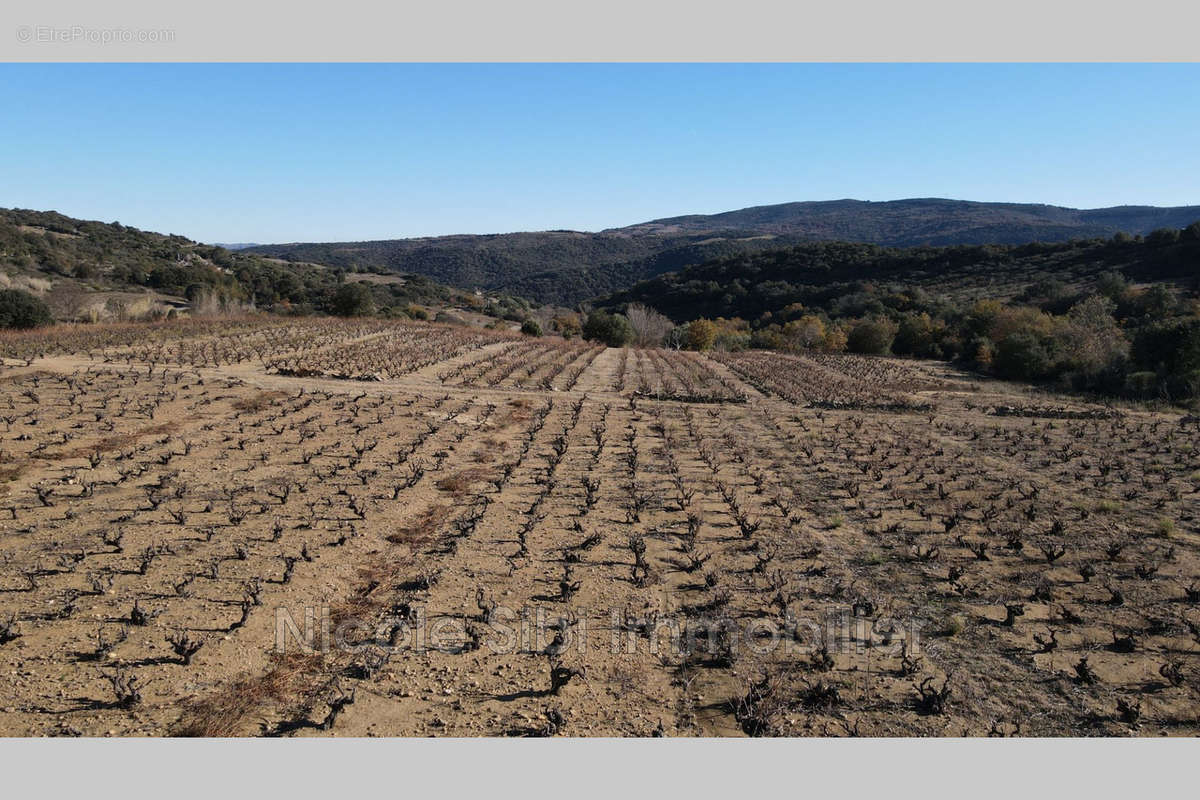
(1142, 385)
(567, 325)
(732, 341)
(20, 309)
(611, 329)
(649, 326)
(676, 339)
(1171, 348)
(872, 337)
(1021, 356)
(915, 336)
(531, 327)
(701, 334)
(805, 333)
(1163, 236)
(354, 300)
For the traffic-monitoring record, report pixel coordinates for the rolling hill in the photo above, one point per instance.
(89, 270)
(838, 277)
(570, 266)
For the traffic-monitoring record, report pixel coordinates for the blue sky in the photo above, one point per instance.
(273, 153)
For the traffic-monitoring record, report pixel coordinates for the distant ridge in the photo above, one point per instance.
(935, 221)
(571, 266)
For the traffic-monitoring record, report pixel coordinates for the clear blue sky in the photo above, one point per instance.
(273, 153)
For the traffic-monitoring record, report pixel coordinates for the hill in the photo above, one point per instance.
(563, 267)
(932, 221)
(829, 275)
(90, 270)
(567, 267)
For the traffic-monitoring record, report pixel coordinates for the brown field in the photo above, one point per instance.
(508, 536)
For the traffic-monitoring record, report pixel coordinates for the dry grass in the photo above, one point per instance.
(225, 712)
(423, 529)
(460, 482)
(112, 443)
(259, 402)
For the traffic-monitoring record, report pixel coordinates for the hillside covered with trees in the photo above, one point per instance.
(1118, 316)
(82, 269)
(567, 267)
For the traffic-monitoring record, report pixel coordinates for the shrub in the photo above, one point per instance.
(872, 337)
(611, 329)
(1021, 356)
(915, 336)
(835, 339)
(676, 339)
(353, 300)
(649, 326)
(731, 341)
(1163, 236)
(701, 334)
(20, 309)
(805, 333)
(1142, 384)
(531, 327)
(567, 325)
(1091, 342)
(1172, 349)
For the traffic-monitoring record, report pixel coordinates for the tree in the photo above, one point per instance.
(915, 336)
(835, 339)
(649, 326)
(1022, 356)
(567, 325)
(353, 300)
(1112, 285)
(20, 309)
(805, 333)
(872, 336)
(611, 329)
(1171, 348)
(701, 333)
(531, 327)
(1162, 236)
(1092, 340)
(676, 338)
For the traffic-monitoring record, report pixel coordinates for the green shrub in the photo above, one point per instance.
(1022, 356)
(531, 327)
(732, 341)
(701, 334)
(872, 337)
(354, 300)
(1142, 384)
(20, 309)
(915, 336)
(610, 329)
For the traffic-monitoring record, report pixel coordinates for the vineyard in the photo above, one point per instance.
(481, 534)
